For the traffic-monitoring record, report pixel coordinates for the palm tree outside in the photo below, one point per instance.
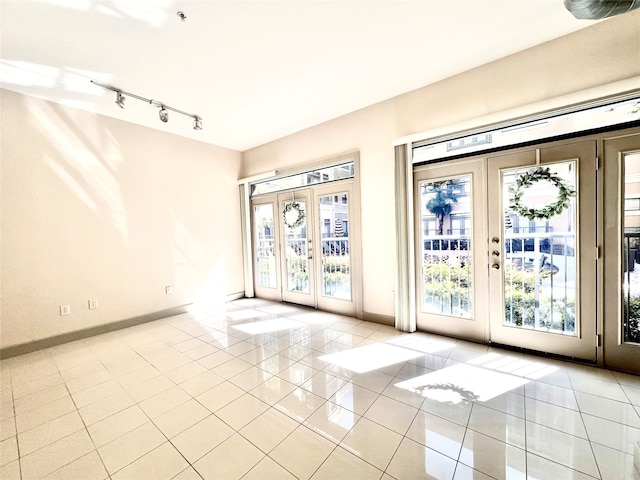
(443, 195)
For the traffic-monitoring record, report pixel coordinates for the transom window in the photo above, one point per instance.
(310, 177)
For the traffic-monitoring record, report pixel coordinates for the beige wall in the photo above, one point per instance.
(97, 208)
(602, 54)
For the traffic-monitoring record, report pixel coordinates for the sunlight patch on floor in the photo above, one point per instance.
(370, 357)
(462, 382)
(522, 368)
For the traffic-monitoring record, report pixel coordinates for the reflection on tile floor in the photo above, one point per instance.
(258, 390)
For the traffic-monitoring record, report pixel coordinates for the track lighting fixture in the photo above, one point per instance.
(164, 115)
(164, 108)
(120, 99)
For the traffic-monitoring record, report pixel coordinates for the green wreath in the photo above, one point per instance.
(526, 180)
(293, 206)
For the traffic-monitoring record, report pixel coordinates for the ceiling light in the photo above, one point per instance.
(164, 108)
(120, 99)
(164, 114)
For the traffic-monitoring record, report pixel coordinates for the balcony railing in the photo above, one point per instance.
(446, 243)
(336, 267)
(446, 275)
(540, 280)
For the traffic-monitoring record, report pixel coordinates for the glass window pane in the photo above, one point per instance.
(631, 281)
(265, 245)
(539, 253)
(446, 246)
(563, 123)
(296, 249)
(313, 177)
(336, 263)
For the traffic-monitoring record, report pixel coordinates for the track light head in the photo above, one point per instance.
(120, 99)
(197, 123)
(164, 114)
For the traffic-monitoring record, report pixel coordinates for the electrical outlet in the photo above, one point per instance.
(65, 310)
(93, 304)
(168, 289)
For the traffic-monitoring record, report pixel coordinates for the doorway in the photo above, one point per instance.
(500, 254)
(306, 247)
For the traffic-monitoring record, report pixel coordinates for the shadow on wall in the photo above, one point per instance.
(101, 208)
(149, 195)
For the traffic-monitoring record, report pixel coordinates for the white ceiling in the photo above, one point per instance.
(258, 70)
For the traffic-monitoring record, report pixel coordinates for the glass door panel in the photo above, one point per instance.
(630, 192)
(451, 266)
(335, 247)
(265, 248)
(540, 253)
(296, 251)
(297, 221)
(336, 229)
(542, 275)
(622, 253)
(447, 269)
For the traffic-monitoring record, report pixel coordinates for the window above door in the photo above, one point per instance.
(325, 174)
(545, 126)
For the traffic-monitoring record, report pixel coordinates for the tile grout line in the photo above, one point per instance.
(593, 453)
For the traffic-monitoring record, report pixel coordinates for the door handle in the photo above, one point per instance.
(495, 253)
(495, 266)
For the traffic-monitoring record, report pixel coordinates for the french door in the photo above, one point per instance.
(305, 247)
(542, 249)
(452, 295)
(500, 254)
(283, 247)
(622, 252)
(297, 248)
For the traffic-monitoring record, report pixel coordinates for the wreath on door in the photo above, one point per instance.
(525, 181)
(293, 215)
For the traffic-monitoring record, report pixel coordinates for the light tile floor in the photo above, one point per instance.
(258, 390)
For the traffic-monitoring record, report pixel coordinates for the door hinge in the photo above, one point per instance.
(598, 340)
(598, 252)
(597, 163)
